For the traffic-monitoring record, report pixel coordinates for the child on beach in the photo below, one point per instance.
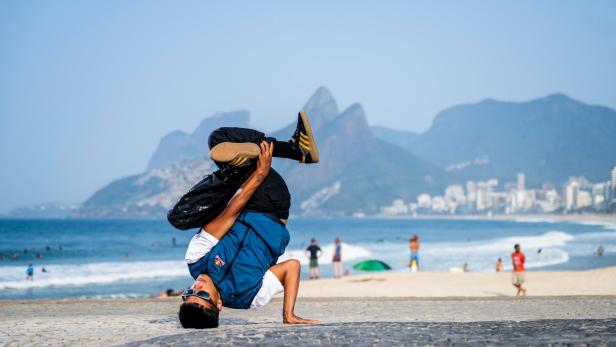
(414, 247)
(233, 257)
(30, 273)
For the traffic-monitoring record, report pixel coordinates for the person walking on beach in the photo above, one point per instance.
(337, 259)
(414, 247)
(518, 259)
(30, 273)
(313, 253)
(499, 265)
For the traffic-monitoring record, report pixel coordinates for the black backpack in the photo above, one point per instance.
(206, 200)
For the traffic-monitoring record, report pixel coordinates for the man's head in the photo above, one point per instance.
(313, 241)
(200, 310)
(517, 247)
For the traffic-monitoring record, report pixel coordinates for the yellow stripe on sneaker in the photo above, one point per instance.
(241, 161)
(304, 142)
(303, 136)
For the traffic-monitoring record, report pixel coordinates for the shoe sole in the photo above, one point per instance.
(228, 152)
(314, 152)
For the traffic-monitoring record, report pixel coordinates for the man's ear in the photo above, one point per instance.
(219, 305)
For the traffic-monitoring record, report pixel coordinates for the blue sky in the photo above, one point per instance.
(87, 89)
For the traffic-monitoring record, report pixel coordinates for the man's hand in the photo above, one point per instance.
(265, 160)
(219, 226)
(287, 273)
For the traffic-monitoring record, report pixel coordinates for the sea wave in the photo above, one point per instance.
(59, 275)
(535, 220)
(610, 225)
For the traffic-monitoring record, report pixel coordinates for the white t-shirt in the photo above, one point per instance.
(203, 242)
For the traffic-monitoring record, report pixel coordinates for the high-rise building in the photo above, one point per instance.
(571, 192)
(521, 181)
(613, 179)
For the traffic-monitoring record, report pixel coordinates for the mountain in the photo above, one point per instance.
(400, 138)
(357, 173)
(148, 195)
(178, 145)
(550, 139)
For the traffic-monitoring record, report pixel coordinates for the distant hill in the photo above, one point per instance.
(364, 168)
(550, 139)
(357, 171)
(178, 145)
(49, 210)
(401, 138)
(148, 195)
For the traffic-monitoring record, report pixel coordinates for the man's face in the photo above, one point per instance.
(204, 283)
(517, 249)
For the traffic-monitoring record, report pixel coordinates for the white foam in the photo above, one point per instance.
(535, 220)
(349, 252)
(610, 225)
(92, 273)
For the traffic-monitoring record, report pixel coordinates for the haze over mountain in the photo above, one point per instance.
(364, 168)
(550, 139)
(357, 171)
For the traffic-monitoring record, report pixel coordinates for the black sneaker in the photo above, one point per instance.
(235, 154)
(304, 140)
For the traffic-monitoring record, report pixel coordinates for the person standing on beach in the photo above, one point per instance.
(518, 259)
(313, 252)
(337, 259)
(414, 246)
(30, 273)
(499, 265)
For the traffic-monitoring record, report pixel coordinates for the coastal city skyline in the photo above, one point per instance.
(577, 195)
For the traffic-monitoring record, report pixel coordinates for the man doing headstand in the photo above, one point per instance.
(233, 257)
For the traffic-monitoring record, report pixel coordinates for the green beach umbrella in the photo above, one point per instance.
(371, 265)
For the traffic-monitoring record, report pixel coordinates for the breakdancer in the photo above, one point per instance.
(233, 257)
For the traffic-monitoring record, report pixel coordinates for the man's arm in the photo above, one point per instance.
(219, 226)
(287, 273)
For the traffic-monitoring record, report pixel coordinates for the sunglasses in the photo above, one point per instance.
(202, 294)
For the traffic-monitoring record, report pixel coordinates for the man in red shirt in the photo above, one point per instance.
(517, 258)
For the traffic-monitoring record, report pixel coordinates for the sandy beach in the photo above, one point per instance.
(479, 284)
(384, 308)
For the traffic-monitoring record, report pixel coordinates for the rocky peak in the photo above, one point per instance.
(321, 108)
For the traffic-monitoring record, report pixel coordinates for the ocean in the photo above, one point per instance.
(123, 259)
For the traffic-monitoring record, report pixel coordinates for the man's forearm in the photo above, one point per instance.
(241, 198)
(288, 274)
(219, 226)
